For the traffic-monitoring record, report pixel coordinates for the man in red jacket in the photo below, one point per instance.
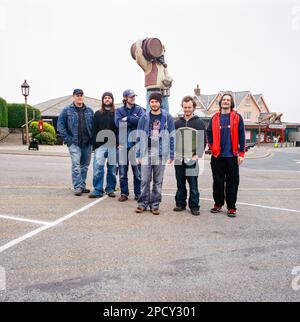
(226, 139)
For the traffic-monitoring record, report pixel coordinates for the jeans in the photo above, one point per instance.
(164, 103)
(225, 175)
(81, 158)
(123, 174)
(151, 198)
(101, 154)
(181, 194)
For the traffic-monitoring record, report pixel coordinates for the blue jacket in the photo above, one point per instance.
(67, 124)
(166, 147)
(133, 116)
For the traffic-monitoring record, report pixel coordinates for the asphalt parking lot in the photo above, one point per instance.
(58, 247)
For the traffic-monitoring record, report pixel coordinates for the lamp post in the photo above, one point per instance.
(25, 91)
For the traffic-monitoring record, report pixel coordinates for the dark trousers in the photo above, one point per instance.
(183, 175)
(226, 180)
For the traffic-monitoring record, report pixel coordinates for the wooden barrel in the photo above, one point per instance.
(152, 48)
(132, 50)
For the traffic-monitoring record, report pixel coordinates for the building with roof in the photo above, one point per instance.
(259, 120)
(51, 109)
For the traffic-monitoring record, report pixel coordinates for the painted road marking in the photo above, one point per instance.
(246, 204)
(33, 221)
(48, 226)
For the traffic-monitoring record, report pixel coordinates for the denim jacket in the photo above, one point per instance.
(166, 145)
(67, 124)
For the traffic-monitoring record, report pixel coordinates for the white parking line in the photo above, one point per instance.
(33, 221)
(246, 204)
(48, 226)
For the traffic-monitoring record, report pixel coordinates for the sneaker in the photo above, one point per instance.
(231, 213)
(195, 212)
(94, 195)
(139, 210)
(111, 194)
(78, 193)
(155, 211)
(123, 198)
(86, 190)
(179, 208)
(215, 209)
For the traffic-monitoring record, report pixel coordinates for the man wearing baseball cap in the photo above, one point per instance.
(75, 126)
(126, 120)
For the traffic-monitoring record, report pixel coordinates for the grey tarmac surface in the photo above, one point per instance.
(109, 253)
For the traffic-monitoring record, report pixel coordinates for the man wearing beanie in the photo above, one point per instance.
(105, 134)
(126, 120)
(156, 142)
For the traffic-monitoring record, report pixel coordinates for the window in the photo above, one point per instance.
(247, 115)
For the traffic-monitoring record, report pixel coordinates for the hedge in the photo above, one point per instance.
(48, 136)
(3, 113)
(16, 114)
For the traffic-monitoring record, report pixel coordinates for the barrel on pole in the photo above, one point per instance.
(152, 48)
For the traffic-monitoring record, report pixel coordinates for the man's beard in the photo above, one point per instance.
(107, 106)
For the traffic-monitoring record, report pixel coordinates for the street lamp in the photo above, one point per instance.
(25, 91)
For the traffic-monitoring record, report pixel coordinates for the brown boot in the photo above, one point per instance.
(139, 210)
(123, 198)
(155, 211)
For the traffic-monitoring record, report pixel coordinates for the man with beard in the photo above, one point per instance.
(156, 139)
(226, 138)
(105, 135)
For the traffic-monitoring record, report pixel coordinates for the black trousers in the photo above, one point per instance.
(226, 180)
(183, 174)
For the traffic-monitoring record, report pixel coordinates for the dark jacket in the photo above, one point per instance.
(195, 123)
(67, 124)
(133, 116)
(104, 121)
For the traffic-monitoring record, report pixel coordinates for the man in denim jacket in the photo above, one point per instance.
(75, 126)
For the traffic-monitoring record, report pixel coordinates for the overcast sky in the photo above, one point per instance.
(234, 45)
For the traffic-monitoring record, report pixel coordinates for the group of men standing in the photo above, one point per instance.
(145, 140)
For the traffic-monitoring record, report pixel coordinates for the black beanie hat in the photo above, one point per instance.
(108, 94)
(155, 96)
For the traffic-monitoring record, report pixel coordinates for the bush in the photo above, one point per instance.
(3, 113)
(16, 114)
(46, 137)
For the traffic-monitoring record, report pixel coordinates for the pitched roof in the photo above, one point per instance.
(238, 97)
(54, 106)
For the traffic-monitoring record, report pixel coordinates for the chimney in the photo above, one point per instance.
(197, 90)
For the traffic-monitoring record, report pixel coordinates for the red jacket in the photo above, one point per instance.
(238, 146)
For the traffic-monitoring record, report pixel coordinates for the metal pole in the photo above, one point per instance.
(26, 122)
(259, 135)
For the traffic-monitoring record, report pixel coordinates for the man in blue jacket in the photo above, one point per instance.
(75, 126)
(156, 144)
(126, 120)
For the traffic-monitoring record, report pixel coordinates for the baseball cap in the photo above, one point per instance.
(78, 91)
(129, 93)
